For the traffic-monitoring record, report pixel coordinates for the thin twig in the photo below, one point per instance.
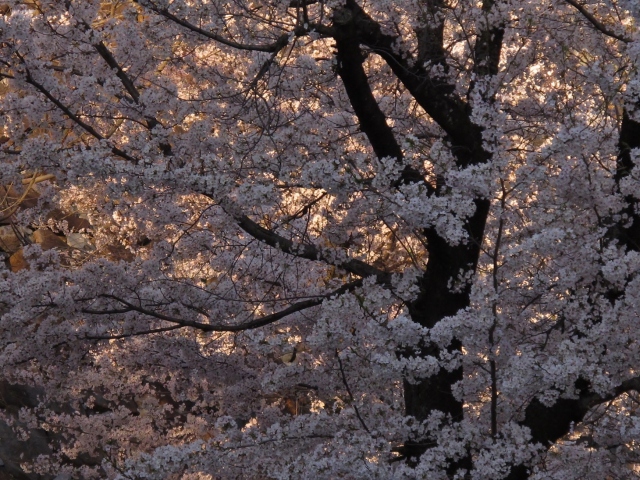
(353, 401)
(596, 23)
(133, 334)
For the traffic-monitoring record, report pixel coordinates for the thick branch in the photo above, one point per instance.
(549, 424)
(488, 45)
(435, 95)
(430, 35)
(372, 121)
(436, 299)
(627, 233)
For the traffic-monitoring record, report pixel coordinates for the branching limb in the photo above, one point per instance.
(72, 116)
(151, 121)
(353, 401)
(372, 120)
(126, 81)
(164, 12)
(127, 307)
(307, 251)
(597, 23)
(435, 95)
(549, 424)
(310, 252)
(108, 57)
(128, 84)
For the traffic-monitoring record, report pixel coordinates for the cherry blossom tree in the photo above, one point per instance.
(320, 239)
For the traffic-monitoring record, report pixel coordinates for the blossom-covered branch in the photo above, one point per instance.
(597, 23)
(149, 311)
(310, 252)
(72, 116)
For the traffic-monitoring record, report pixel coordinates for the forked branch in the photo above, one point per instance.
(549, 424)
(597, 23)
(72, 116)
(126, 306)
(310, 252)
(269, 47)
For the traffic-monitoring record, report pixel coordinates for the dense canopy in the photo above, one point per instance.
(320, 239)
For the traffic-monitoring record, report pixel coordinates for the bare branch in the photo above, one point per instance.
(304, 210)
